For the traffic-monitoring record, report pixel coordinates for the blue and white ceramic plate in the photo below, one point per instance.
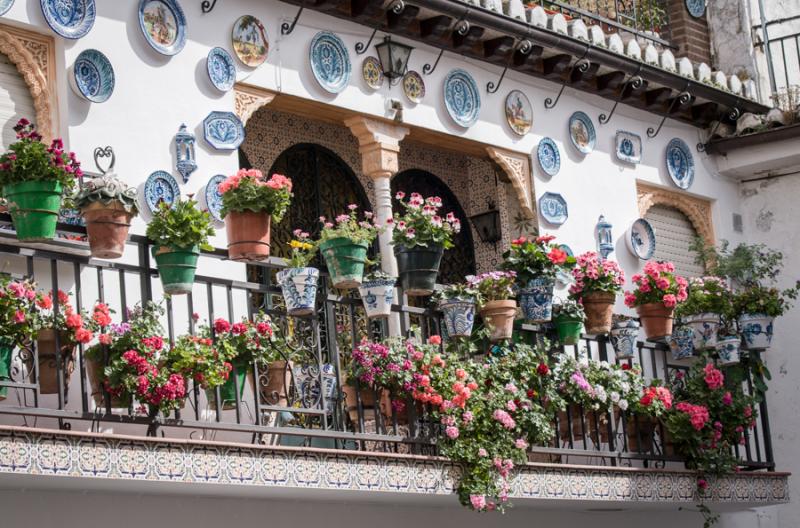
(462, 98)
(680, 163)
(330, 62)
(92, 76)
(628, 147)
(581, 132)
(214, 198)
(696, 8)
(221, 69)
(223, 130)
(5, 5)
(163, 25)
(553, 208)
(641, 239)
(549, 157)
(160, 187)
(71, 19)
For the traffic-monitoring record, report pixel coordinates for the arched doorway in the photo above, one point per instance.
(459, 261)
(675, 234)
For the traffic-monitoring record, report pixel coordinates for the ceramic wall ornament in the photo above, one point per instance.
(71, 19)
(605, 240)
(92, 76)
(628, 147)
(372, 73)
(330, 62)
(462, 98)
(5, 5)
(163, 25)
(250, 41)
(519, 112)
(223, 130)
(184, 153)
(413, 86)
(549, 157)
(221, 69)
(641, 239)
(160, 187)
(680, 163)
(582, 133)
(696, 8)
(553, 208)
(214, 198)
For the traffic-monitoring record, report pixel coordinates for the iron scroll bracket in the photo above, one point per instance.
(461, 27)
(634, 81)
(361, 47)
(683, 98)
(286, 27)
(581, 65)
(523, 46)
(733, 115)
(427, 69)
(208, 6)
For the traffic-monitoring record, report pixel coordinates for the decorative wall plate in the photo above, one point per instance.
(548, 156)
(221, 69)
(628, 147)
(581, 132)
(223, 130)
(213, 197)
(71, 19)
(250, 41)
(92, 76)
(330, 62)
(413, 86)
(553, 208)
(160, 187)
(680, 163)
(372, 73)
(5, 5)
(641, 239)
(462, 98)
(519, 112)
(163, 25)
(696, 8)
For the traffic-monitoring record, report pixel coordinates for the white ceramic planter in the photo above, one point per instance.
(299, 287)
(728, 350)
(623, 338)
(377, 296)
(705, 327)
(756, 330)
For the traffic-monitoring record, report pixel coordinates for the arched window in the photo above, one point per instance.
(674, 235)
(15, 100)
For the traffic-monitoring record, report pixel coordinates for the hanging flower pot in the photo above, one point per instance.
(536, 300)
(248, 235)
(107, 229)
(656, 319)
(458, 315)
(6, 351)
(756, 330)
(176, 267)
(728, 349)
(227, 391)
(705, 327)
(34, 208)
(623, 338)
(599, 307)
(681, 343)
(365, 396)
(568, 330)
(48, 365)
(418, 267)
(299, 287)
(275, 382)
(345, 260)
(378, 295)
(641, 433)
(94, 369)
(499, 316)
(574, 419)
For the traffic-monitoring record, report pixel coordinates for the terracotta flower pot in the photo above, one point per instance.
(95, 371)
(499, 317)
(656, 320)
(275, 382)
(48, 370)
(367, 398)
(599, 307)
(595, 427)
(248, 235)
(107, 229)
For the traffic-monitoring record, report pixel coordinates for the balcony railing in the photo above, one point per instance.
(311, 408)
(779, 40)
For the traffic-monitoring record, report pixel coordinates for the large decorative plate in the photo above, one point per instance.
(213, 197)
(553, 208)
(581, 132)
(413, 87)
(223, 130)
(519, 112)
(92, 76)
(160, 187)
(696, 8)
(71, 19)
(641, 239)
(462, 98)
(5, 5)
(250, 41)
(330, 62)
(549, 157)
(163, 25)
(680, 163)
(628, 147)
(372, 73)
(221, 69)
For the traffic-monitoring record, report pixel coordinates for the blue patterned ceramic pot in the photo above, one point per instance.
(756, 331)
(681, 343)
(536, 300)
(299, 286)
(728, 349)
(459, 316)
(377, 296)
(624, 335)
(705, 327)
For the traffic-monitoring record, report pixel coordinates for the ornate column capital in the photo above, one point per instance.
(517, 167)
(250, 98)
(379, 145)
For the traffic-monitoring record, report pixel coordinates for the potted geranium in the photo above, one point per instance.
(658, 291)
(654, 403)
(420, 237)
(199, 359)
(343, 244)
(707, 304)
(457, 303)
(178, 234)
(496, 301)
(597, 282)
(250, 203)
(34, 178)
(107, 204)
(377, 292)
(16, 322)
(298, 281)
(536, 262)
(568, 317)
(624, 333)
(374, 368)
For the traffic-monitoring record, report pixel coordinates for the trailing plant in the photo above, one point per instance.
(707, 295)
(181, 226)
(385, 364)
(493, 285)
(17, 310)
(536, 258)
(465, 291)
(597, 385)
(350, 227)
(568, 309)
(107, 190)
(746, 264)
(421, 224)
(594, 274)
(303, 250)
(658, 284)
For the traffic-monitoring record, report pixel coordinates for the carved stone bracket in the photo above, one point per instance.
(517, 167)
(250, 98)
(379, 145)
(697, 209)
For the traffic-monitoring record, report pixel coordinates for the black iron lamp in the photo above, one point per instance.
(488, 225)
(394, 57)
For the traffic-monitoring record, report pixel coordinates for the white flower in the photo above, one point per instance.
(614, 397)
(623, 404)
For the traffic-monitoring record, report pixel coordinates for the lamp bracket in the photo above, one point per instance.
(361, 47)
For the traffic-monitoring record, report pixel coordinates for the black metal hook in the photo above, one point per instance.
(635, 82)
(683, 98)
(524, 47)
(361, 47)
(734, 116)
(287, 28)
(104, 152)
(207, 6)
(427, 69)
(581, 65)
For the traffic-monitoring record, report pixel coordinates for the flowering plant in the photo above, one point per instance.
(247, 341)
(198, 358)
(706, 295)
(303, 249)
(465, 291)
(181, 226)
(536, 257)
(421, 224)
(757, 299)
(597, 385)
(658, 284)
(593, 274)
(656, 401)
(78, 326)
(350, 227)
(493, 286)
(382, 364)
(249, 190)
(16, 310)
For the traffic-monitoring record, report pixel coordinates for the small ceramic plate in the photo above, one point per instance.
(221, 69)
(163, 25)
(330, 62)
(628, 147)
(213, 197)
(71, 19)
(549, 157)
(553, 208)
(696, 8)
(581, 132)
(680, 163)
(223, 130)
(462, 99)
(160, 187)
(372, 73)
(413, 86)
(641, 239)
(250, 41)
(5, 5)
(92, 76)
(519, 112)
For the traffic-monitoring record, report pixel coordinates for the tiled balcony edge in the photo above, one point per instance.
(28, 451)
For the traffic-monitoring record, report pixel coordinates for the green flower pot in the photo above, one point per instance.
(177, 267)
(6, 349)
(345, 260)
(227, 390)
(568, 330)
(34, 207)
(418, 268)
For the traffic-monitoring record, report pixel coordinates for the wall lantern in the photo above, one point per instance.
(605, 243)
(488, 225)
(394, 57)
(184, 153)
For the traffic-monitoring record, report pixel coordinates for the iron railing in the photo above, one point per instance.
(779, 40)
